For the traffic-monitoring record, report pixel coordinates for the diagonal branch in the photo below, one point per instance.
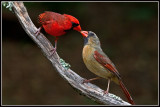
(87, 89)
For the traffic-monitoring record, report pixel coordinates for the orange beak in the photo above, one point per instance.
(84, 33)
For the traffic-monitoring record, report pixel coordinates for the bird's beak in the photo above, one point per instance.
(84, 33)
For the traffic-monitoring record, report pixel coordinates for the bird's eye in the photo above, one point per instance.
(91, 34)
(74, 24)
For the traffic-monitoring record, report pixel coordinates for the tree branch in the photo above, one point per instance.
(87, 89)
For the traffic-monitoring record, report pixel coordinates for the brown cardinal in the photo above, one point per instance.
(99, 63)
(57, 24)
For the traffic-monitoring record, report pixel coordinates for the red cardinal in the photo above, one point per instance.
(99, 63)
(57, 24)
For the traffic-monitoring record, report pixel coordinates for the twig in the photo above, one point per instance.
(87, 89)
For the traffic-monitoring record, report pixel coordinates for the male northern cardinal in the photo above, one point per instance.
(99, 63)
(57, 24)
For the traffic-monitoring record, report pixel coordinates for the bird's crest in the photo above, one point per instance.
(40, 18)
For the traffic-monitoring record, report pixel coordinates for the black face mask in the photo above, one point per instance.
(73, 25)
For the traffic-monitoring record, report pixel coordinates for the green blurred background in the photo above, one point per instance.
(129, 36)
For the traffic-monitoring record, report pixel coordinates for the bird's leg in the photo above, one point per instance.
(38, 31)
(87, 81)
(106, 92)
(55, 47)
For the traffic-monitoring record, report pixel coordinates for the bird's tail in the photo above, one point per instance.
(126, 92)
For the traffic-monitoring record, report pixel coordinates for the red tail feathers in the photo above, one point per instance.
(126, 93)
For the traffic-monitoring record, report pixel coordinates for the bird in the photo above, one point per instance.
(57, 24)
(100, 64)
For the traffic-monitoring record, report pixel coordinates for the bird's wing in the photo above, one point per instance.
(50, 17)
(107, 63)
(55, 18)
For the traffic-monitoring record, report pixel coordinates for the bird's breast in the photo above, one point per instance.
(54, 29)
(92, 64)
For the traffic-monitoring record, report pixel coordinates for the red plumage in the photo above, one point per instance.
(107, 63)
(57, 24)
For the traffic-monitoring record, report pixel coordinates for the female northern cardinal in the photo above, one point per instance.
(57, 24)
(99, 63)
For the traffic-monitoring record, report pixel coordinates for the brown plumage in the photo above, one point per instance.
(99, 63)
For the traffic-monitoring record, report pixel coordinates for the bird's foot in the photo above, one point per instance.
(85, 81)
(53, 51)
(105, 92)
(38, 32)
